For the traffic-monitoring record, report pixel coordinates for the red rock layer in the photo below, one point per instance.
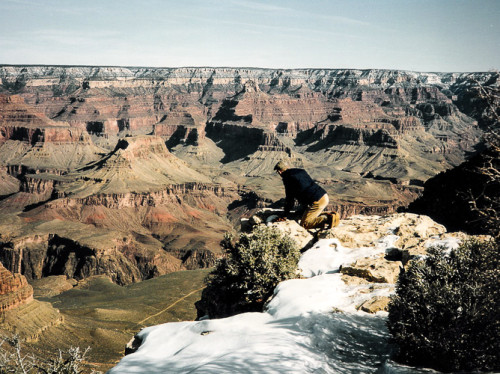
(299, 113)
(15, 112)
(19, 121)
(14, 290)
(34, 135)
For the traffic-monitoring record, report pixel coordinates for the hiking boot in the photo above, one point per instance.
(333, 220)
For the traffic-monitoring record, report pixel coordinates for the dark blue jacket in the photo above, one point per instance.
(299, 185)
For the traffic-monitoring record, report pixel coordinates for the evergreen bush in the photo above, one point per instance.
(252, 267)
(445, 312)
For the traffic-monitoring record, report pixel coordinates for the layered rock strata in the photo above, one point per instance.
(21, 314)
(84, 252)
(14, 290)
(163, 216)
(31, 141)
(180, 101)
(182, 147)
(361, 121)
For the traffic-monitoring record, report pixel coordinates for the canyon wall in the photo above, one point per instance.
(14, 290)
(136, 172)
(20, 313)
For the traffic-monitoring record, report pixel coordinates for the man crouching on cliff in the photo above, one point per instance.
(299, 185)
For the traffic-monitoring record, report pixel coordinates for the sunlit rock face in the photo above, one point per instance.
(30, 141)
(14, 290)
(396, 125)
(115, 216)
(20, 313)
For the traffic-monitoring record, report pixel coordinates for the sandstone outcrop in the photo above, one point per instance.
(376, 304)
(137, 164)
(8, 184)
(16, 114)
(388, 242)
(29, 321)
(19, 313)
(14, 290)
(31, 141)
(377, 270)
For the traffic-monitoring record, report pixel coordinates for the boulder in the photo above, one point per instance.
(414, 231)
(353, 281)
(299, 234)
(375, 304)
(267, 216)
(377, 270)
(409, 225)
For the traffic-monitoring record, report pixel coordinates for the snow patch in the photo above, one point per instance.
(311, 325)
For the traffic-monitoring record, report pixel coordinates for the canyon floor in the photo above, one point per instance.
(99, 314)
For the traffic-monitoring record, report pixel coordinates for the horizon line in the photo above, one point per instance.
(493, 70)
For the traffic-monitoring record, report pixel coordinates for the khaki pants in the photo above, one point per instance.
(312, 217)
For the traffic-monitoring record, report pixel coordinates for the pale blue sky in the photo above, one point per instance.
(419, 35)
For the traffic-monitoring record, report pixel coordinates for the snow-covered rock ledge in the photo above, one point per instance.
(318, 324)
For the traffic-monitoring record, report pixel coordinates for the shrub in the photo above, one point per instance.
(13, 360)
(445, 312)
(252, 267)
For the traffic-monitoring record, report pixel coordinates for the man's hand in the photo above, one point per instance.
(280, 219)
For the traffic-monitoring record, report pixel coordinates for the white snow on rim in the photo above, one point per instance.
(302, 330)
